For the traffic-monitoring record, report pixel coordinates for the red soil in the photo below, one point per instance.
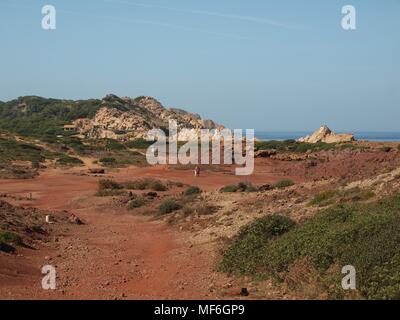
(119, 255)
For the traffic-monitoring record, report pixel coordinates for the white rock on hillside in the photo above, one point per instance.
(127, 119)
(324, 134)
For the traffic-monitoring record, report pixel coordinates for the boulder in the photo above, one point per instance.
(324, 134)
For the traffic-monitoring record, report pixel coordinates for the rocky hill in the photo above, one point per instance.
(127, 119)
(111, 117)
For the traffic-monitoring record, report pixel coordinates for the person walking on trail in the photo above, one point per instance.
(197, 171)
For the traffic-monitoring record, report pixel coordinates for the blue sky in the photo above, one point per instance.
(269, 65)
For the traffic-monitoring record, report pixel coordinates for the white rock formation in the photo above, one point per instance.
(324, 134)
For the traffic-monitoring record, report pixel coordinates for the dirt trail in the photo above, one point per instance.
(115, 255)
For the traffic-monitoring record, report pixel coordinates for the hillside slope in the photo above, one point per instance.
(110, 117)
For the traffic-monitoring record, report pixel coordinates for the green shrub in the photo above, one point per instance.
(192, 190)
(364, 235)
(65, 160)
(386, 149)
(158, 186)
(112, 145)
(230, 188)
(168, 206)
(109, 184)
(293, 146)
(143, 184)
(283, 184)
(139, 144)
(243, 256)
(7, 239)
(136, 203)
(323, 198)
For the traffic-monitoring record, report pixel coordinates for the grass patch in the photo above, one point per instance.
(109, 184)
(329, 197)
(169, 206)
(65, 160)
(8, 240)
(192, 190)
(136, 203)
(386, 149)
(146, 184)
(283, 184)
(230, 188)
(244, 255)
(324, 198)
(364, 235)
(139, 144)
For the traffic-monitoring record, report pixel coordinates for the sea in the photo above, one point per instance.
(287, 135)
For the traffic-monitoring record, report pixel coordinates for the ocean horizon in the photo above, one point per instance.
(378, 136)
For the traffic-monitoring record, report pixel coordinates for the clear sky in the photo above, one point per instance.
(269, 65)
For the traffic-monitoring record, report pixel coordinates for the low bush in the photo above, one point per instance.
(283, 184)
(364, 235)
(109, 184)
(136, 203)
(65, 160)
(230, 188)
(386, 149)
(9, 239)
(143, 184)
(139, 144)
(323, 198)
(192, 190)
(243, 256)
(169, 205)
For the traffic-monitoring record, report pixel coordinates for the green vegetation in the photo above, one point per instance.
(146, 184)
(65, 160)
(364, 235)
(9, 239)
(386, 149)
(323, 198)
(230, 188)
(283, 184)
(109, 184)
(136, 203)
(40, 117)
(139, 144)
(350, 195)
(11, 149)
(244, 255)
(240, 187)
(192, 190)
(169, 205)
(294, 146)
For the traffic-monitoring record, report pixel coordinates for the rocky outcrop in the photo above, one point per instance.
(324, 134)
(127, 119)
